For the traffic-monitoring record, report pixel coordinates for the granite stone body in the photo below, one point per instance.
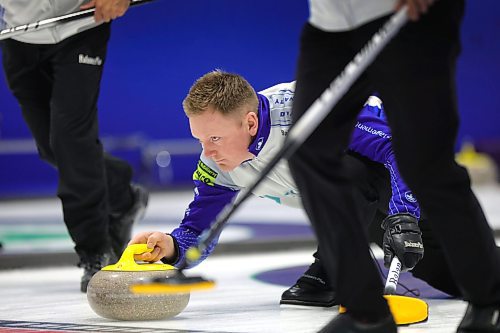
(109, 292)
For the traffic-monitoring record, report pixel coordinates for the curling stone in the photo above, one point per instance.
(110, 297)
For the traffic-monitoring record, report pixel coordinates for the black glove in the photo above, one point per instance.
(402, 238)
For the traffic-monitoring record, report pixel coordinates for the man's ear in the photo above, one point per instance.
(252, 123)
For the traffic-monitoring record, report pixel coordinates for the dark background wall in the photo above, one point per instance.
(158, 50)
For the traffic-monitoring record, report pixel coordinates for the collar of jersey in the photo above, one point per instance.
(264, 126)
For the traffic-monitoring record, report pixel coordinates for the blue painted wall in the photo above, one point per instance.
(478, 72)
(158, 50)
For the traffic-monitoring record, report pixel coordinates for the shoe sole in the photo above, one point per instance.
(308, 303)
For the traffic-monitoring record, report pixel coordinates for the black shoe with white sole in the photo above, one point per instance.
(311, 289)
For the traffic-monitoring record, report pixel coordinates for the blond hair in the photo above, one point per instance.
(226, 92)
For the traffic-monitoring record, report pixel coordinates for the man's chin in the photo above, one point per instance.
(225, 167)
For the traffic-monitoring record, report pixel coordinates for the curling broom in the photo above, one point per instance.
(405, 309)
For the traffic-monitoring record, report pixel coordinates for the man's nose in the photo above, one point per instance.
(208, 152)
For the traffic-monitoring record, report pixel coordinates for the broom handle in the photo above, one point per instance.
(51, 22)
(393, 277)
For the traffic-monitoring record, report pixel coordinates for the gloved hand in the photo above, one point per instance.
(402, 238)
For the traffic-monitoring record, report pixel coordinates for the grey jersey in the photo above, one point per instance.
(340, 15)
(19, 12)
(216, 188)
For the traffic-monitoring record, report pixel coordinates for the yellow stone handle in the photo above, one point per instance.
(127, 261)
(127, 257)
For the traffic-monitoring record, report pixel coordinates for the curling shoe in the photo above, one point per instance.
(311, 289)
(480, 319)
(92, 264)
(344, 323)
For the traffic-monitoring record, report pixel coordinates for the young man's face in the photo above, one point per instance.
(225, 139)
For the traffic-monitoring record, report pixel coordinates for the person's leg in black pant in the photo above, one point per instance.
(324, 180)
(415, 77)
(30, 76)
(75, 138)
(88, 178)
(58, 97)
(76, 81)
(371, 185)
(420, 101)
(433, 268)
(372, 179)
(58, 115)
(31, 83)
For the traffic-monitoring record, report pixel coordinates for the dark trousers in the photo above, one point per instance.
(57, 89)
(415, 77)
(372, 191)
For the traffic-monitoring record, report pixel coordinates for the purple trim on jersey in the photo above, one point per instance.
(372, 139)
(264, 126)
(202, 211)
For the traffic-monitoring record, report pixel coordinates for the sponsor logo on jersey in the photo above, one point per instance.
(416, 245)
(85, 59)
(409, 196)
(285, 113)
(285, 99)
(260, 142)
(372, 131)
(205, 174)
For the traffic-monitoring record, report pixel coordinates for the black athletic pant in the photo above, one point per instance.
(57, 87)
(415, 77)
(372, 194)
